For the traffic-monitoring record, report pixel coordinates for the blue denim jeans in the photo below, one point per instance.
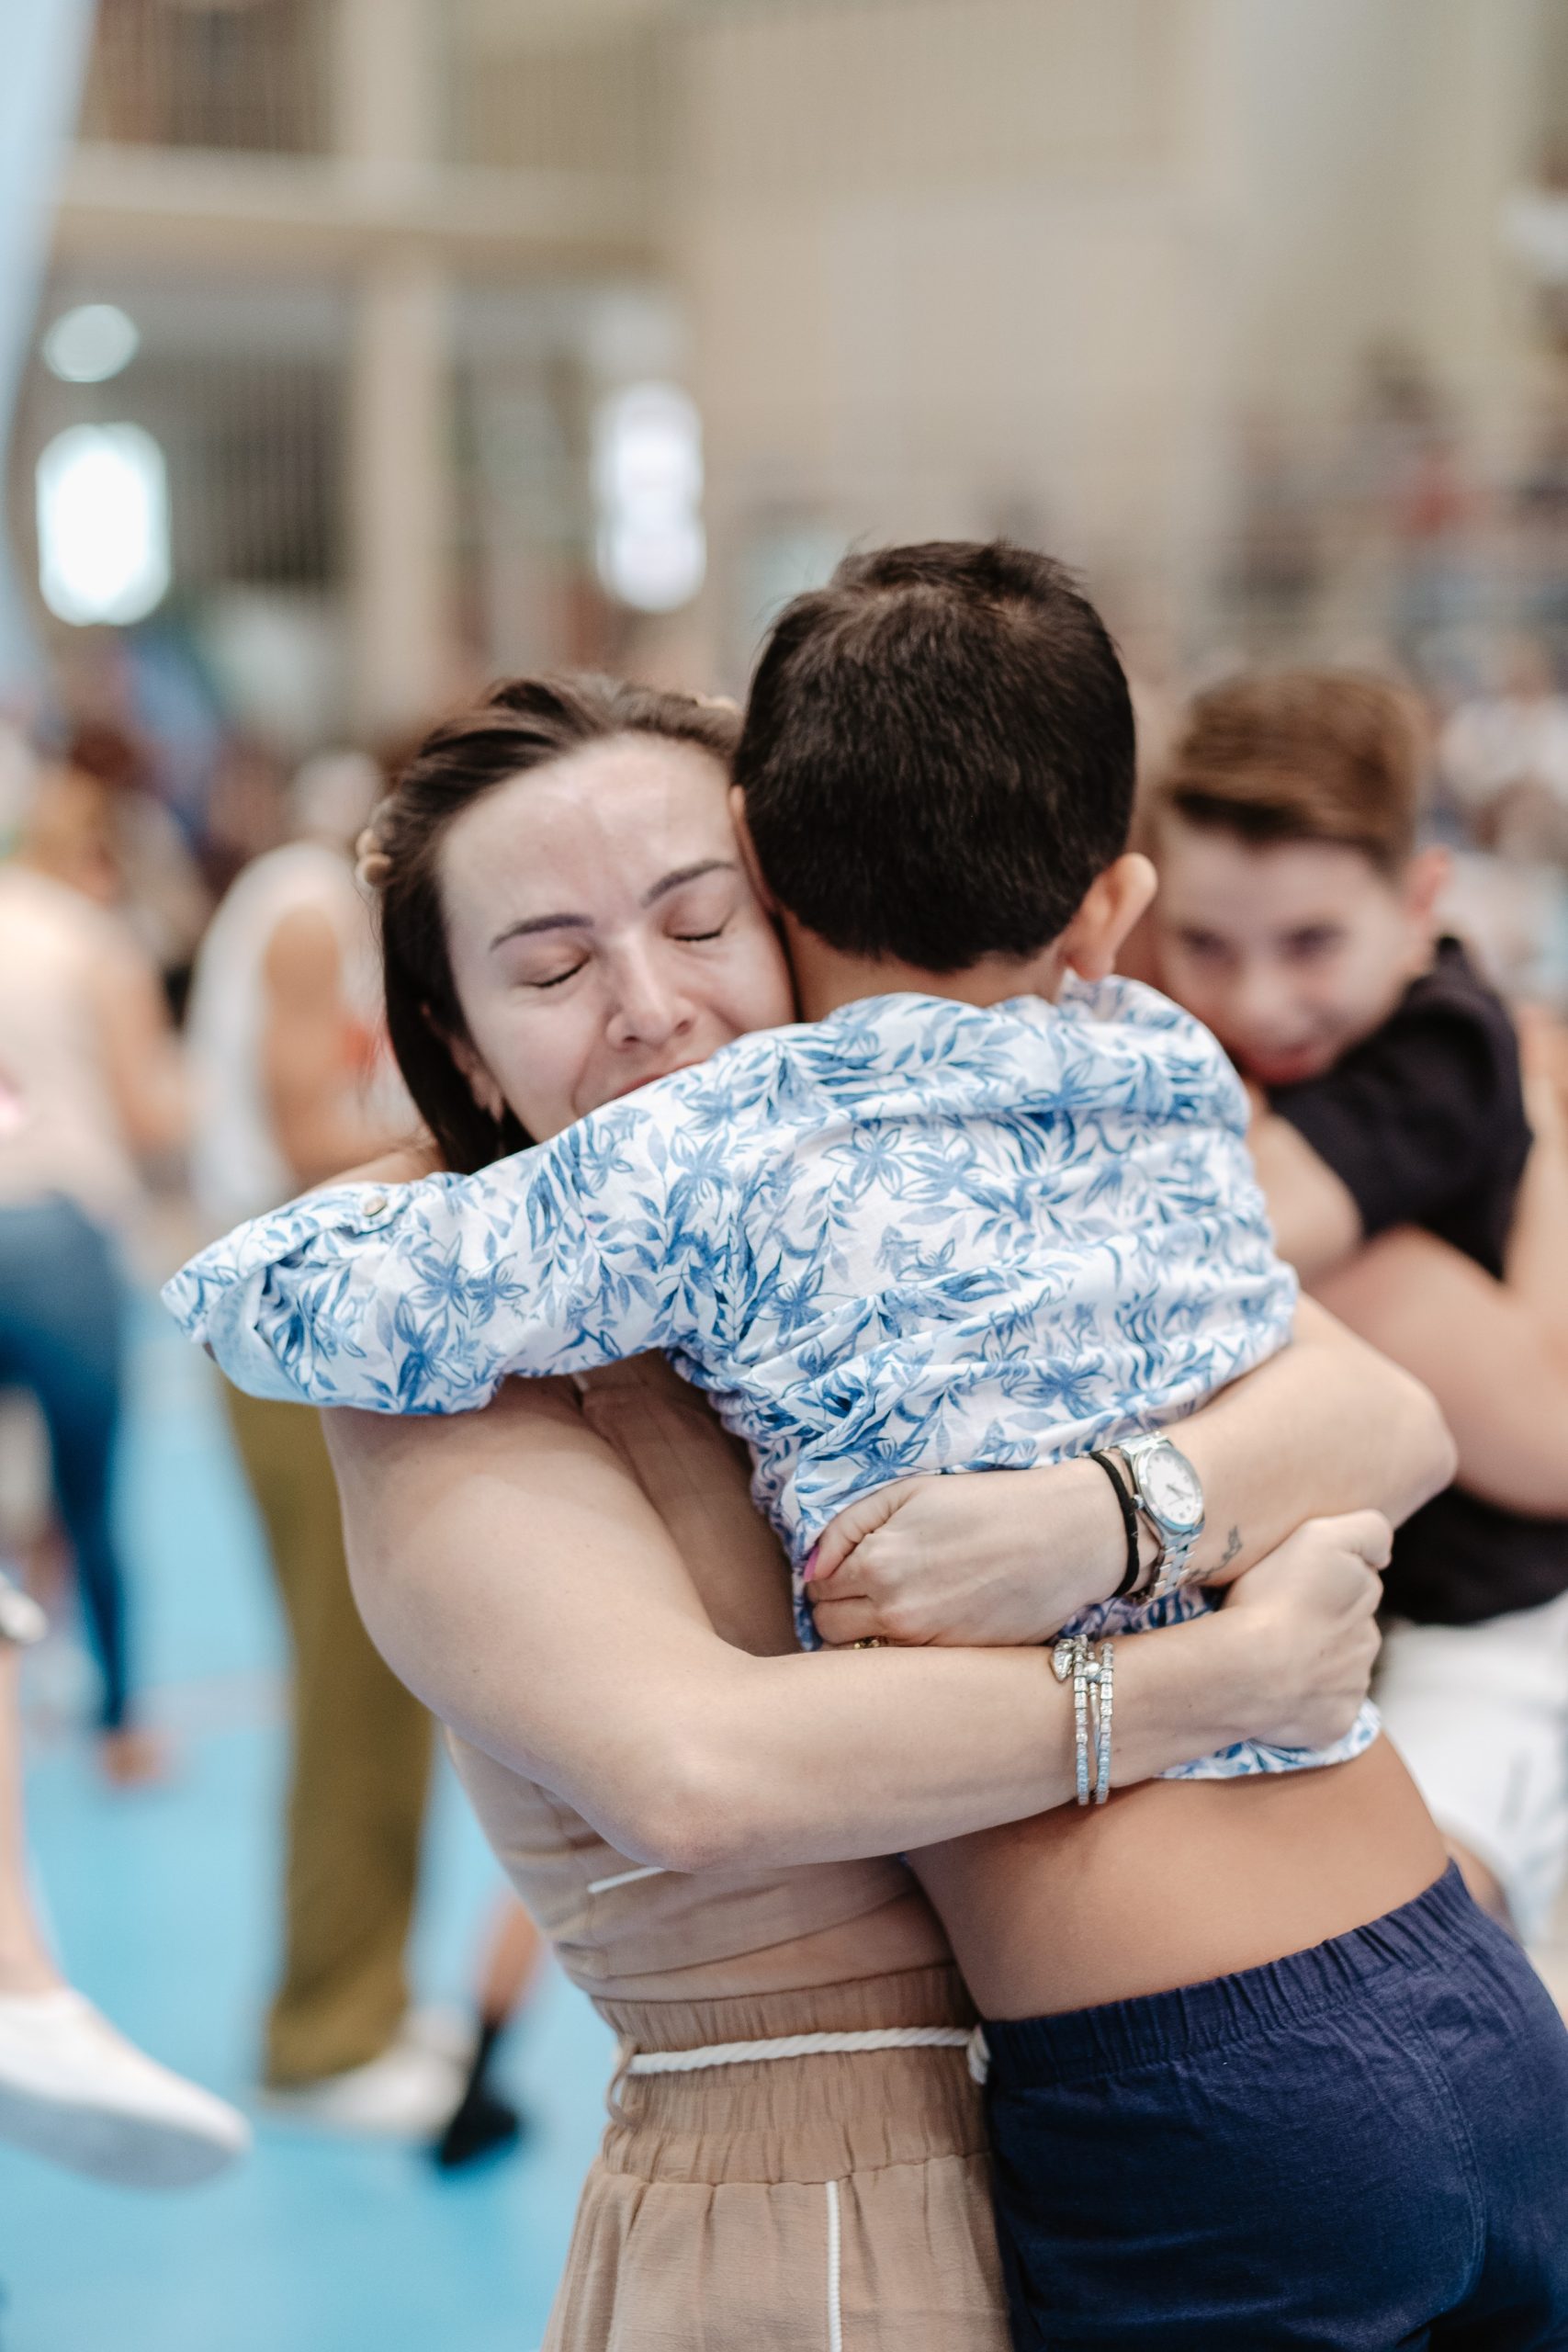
(61, 1318)
(1362, 2146)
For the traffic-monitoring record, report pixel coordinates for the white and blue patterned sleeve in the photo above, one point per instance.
(422, 1298)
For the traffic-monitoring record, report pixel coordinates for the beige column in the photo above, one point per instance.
(400, 442)
(401, 494)
(386, 82)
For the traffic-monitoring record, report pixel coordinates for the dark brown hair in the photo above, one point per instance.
(938, 754)
(1302, 755)
(522, 724)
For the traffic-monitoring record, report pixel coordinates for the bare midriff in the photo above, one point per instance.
(1174, 1881)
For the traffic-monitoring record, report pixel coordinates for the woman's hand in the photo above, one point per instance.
(1308, 1614)
(987, 1560)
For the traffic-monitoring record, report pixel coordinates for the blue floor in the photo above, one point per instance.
(164, 1907)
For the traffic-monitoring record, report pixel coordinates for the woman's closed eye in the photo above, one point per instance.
(553, 979)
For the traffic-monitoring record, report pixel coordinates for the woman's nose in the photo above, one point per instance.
(649, 1008)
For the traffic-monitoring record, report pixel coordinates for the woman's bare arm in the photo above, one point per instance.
(1327, 1426)
(516, 1577)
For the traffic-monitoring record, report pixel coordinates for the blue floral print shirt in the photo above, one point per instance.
(919, 1235)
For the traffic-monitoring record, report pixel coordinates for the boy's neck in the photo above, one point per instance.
(826, 978)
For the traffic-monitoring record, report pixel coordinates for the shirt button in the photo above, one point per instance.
(376, 1204)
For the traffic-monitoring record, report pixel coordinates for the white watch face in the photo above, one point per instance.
(1171, 1487)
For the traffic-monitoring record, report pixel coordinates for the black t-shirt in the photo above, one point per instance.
(1424, 1124)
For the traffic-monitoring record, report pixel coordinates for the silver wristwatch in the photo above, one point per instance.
(22, 1622)
(1169, 1496)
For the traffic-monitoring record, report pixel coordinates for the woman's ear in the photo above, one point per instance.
(749, 850)
(476, 1077)
(1115, 903)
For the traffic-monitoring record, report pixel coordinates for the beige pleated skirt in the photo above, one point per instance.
(835, 2203)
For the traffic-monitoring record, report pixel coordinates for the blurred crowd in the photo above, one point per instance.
(190, 1033)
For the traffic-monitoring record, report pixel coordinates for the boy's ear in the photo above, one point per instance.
(749, 850)
(1114, 904)
(1426, 878)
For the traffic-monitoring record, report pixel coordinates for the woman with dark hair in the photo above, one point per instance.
(575, 1581)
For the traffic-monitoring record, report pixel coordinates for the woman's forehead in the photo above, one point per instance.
(603, 824)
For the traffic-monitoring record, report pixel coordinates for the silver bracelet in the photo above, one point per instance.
(1104, 1696)
(1093, 1678)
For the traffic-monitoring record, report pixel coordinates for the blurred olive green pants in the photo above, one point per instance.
(361, 1755)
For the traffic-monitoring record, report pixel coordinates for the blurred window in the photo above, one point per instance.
(103, 523)
(648, 482)
(223, 74)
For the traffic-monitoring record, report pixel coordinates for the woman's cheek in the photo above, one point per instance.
(535, 1059)
(760, 988)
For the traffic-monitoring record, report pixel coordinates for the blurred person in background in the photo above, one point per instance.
(163, 897)
(71, 2089)
(294, 1084)
(86, 1040)
(1297, 917)
(1503, 758)
(246, 812)
(482, 2120)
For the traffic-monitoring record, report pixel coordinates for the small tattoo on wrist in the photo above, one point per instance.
(1233, 1545)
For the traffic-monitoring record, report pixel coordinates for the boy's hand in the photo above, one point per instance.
(970, 1561)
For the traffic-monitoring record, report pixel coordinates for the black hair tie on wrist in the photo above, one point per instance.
(1135, 1567)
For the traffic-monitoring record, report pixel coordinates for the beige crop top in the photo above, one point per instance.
(619, 1929)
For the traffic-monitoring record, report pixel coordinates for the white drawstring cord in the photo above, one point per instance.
(625, 1878)
(796, 2045)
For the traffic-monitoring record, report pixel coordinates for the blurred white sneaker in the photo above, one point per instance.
(74, 2090)
(406, 2094)
(447, 2031)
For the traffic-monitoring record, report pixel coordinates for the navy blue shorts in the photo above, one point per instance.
(1363, 2146)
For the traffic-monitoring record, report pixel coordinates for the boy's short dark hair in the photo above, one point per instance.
(1302, 755)
(938, 754)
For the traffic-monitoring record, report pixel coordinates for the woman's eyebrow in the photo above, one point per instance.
(668, 882)
(541, 923)
(661, 889)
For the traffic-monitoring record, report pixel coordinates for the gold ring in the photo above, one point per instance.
(872, 1641)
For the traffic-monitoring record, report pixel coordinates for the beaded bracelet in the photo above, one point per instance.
(1093, 1679)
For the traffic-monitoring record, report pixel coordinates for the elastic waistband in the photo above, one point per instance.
(1122, 2035)
(818, 2116)
(930, 1995)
